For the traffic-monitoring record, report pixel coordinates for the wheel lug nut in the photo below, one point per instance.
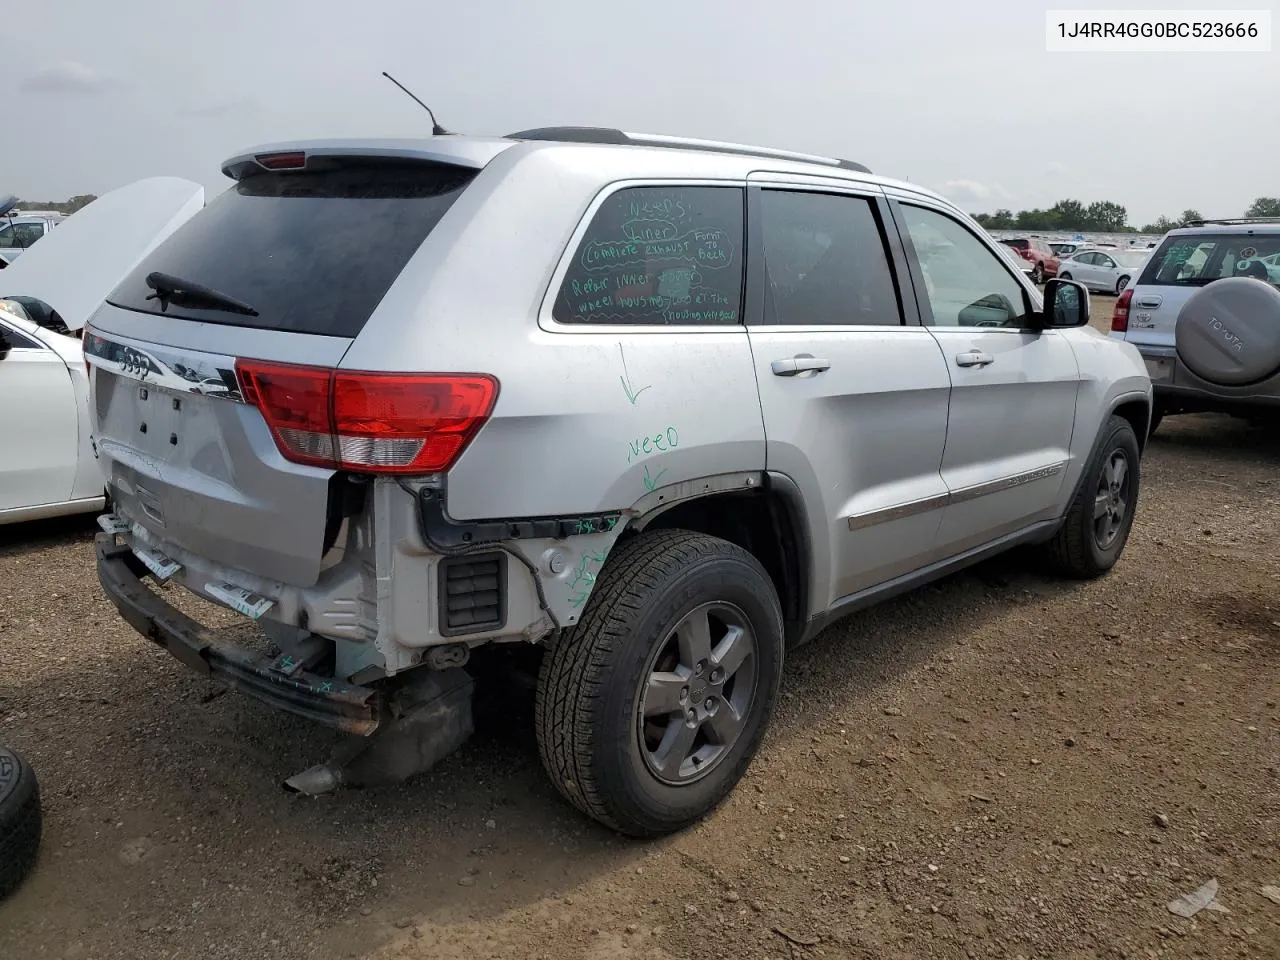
(691, 716)
(699, 667)
(684, 694)
(710, 704)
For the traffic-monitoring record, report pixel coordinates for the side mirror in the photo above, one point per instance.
(1066, 304)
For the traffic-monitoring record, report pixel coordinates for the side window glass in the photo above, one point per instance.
(966, 283)
(19, 341)
(659, 255)
(825, 261)
(1089, 259)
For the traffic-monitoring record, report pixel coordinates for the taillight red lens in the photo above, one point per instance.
(294, 160)
(295, 402)
(369, 422)
(1120, 316)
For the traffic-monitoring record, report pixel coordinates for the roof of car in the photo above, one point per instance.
(1236, 225)
(477, 152)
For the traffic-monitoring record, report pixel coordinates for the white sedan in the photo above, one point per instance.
(1107, 270)
(48, 466)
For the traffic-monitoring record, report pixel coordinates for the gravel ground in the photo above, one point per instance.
(997, 766)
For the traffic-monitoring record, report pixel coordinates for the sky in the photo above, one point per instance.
(959, 97)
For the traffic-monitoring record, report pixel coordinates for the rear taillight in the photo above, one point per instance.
(368, 422)
(1120, 316)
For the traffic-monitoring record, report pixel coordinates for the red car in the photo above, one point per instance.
(1038, 252)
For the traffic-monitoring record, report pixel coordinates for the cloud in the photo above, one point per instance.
(1055, 169)
(67, 76)
(971, 191)
(222, 108)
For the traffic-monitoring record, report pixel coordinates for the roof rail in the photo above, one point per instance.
(609, 135)
(1232, 221)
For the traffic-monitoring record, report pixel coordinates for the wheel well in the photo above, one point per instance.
(1138, 413)
(764, 524)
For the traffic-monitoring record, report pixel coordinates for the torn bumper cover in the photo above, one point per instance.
(331, 702)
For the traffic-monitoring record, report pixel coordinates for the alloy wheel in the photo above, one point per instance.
(697, 693)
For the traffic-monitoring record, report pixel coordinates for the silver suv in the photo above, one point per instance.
(663, 408)
(1205, 315)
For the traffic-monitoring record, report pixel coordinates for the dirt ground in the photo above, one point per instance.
(996, 766)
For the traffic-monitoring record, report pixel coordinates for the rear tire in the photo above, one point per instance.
(20, 820)
(617, 748)
(1037, 275)
(1064, 276)
(1100, 516)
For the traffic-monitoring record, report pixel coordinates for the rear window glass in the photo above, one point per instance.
(1191, 260)
(658, 255)
(311, 252)
(1016, 244)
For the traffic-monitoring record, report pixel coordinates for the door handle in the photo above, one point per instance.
(974, 358)
(801, 363)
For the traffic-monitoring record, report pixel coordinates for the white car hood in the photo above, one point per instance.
(79, 263)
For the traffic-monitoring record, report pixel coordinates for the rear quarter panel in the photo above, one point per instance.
(589, 418)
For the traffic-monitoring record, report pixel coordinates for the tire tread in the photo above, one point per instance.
(569, 685)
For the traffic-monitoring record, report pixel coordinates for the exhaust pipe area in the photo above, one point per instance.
(431, 718)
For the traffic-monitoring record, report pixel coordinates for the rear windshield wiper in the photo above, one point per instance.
(184, 293)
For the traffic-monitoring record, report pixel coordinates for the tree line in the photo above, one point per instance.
(63, 207)
(1102, 216)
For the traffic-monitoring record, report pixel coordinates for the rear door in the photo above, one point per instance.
(297, 262)
(1013, 389)
(854, 391)
(39, 423)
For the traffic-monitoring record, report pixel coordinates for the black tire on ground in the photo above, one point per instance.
(1064, 276)
(20, 822)
(1037, 274)
(1121, 284)
(1093, 536)
(603, 747)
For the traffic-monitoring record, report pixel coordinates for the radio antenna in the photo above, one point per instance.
(436, 129)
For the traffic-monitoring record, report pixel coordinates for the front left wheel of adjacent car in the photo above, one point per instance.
(1100, 516)
(1037, 274)
(1121, 284)
(649, 710)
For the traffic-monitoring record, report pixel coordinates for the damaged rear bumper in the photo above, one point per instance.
(331, 702)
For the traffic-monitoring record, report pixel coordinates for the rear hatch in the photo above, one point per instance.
(213, 361)
(1181, 265)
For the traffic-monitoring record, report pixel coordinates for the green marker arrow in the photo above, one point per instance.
(651, 483)
(631, 392)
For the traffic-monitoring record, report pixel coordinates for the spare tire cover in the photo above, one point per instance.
(1228, 333)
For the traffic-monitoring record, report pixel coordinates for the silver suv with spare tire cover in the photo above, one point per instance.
(659, 408)
(1205, 315)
